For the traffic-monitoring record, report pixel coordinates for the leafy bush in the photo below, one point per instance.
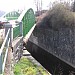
(57, 17)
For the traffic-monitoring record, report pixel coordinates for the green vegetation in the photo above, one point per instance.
(60, 16)
(25, 67)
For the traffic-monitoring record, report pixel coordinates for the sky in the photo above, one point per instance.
(9, 5)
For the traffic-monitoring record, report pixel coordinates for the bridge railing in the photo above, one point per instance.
(17, 30)
(4, 49)
(10, 34)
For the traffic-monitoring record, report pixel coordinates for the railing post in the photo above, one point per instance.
(11, 35)
(0, 64)
(21, 29)
(9, 55)
(7, 26)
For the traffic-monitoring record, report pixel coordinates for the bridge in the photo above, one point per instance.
(21, 29)
(16, 28)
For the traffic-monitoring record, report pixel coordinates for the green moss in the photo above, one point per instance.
(25, 67)
(17, 70)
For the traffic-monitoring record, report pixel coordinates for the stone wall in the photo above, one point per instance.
(60, 43)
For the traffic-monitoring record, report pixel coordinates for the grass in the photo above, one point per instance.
(25, 67)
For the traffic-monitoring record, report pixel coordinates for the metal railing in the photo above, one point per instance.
(17, 30)
(9, 37)
(4, 51)
(20, 30)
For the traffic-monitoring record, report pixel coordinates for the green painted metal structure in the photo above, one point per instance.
(27, 17)
(28, 21)
(11, 15)
(16, 31)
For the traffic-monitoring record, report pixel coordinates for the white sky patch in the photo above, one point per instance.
(9, 5)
